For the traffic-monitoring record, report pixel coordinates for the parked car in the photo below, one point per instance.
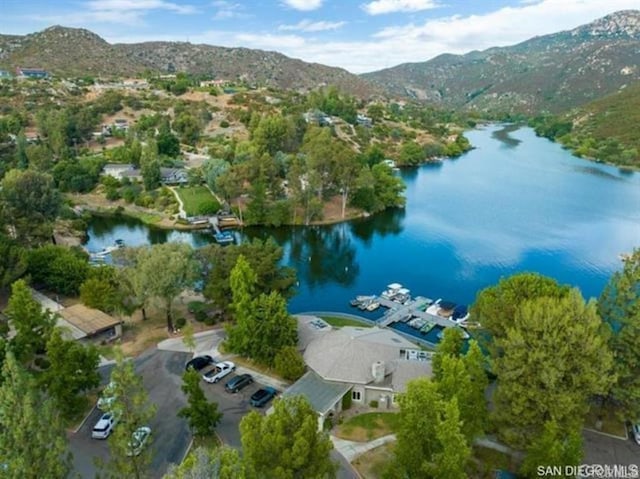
(104, 426)
(138, 440)
(635, 431)
(239, 382)
(221, 370)
(263, 396)
(199, 362)
(107, 397)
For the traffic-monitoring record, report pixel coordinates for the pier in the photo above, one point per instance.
(413, 308)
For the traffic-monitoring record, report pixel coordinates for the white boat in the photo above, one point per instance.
(392, 290)
(372, 306)
(364, 299)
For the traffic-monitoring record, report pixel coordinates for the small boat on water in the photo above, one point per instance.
(391, 291)
(119, 243)
(372, 306)
(224, 237)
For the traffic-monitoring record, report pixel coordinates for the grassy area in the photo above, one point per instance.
(89, 401)
(610, 423)
(372, 464)
(197, 200)
(338, 322)
(368, 426)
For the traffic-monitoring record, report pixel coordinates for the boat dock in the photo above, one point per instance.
(396, 312)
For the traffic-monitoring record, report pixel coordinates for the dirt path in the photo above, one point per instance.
(182, 213)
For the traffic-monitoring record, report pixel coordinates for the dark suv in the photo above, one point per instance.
(199, 362)
(262, 396)
(239, 382)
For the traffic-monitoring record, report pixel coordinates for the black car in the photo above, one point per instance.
(262, 396)
(239, 382)
(200, 362)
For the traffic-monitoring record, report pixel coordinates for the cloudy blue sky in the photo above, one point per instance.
(359, 35)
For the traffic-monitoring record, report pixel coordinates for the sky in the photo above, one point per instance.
(358, 35)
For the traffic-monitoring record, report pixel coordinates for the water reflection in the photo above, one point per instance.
(503, 136)
(388, 222)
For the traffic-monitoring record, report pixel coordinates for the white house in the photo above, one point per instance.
(369, 363)
(117, 170)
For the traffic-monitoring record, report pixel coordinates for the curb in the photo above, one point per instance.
(186, 453)
(620, 438)
(75, 431)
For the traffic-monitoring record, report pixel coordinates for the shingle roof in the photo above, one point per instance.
(90, 321)
(321, 394)
(347, 355)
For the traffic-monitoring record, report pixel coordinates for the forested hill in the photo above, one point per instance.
(78, 52)
(552, 72)
(606, 129)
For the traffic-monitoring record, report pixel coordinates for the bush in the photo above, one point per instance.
(346, 401)
(373, 403)
(224, 124)
(60, 269)
(112, 194)
(289, 363)
(202, 316)
(180, 322)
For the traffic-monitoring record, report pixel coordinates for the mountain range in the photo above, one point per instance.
(553, 73)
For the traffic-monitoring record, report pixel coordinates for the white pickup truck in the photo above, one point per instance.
(220, 371)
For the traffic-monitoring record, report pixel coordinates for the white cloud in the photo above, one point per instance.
(419, 42)
(227, 10)
(138, 5)
(309, 26)
(379, 7)
(304, 5)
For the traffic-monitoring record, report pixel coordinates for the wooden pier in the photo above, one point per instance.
(397, 312)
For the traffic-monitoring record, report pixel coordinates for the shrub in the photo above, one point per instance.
(224, 124)
(373, 403)
(289, 363)
(180, 322)
(346, 401)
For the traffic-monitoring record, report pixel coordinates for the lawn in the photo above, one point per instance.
(198, 200)
(372, 464)
(338, 322)
(368, 426)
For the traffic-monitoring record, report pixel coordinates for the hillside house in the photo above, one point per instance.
(318, 117)
(120, 124)
(370, 364)
(37, 73)
(173, 176)
(117, 170)
(363, 120)
(88, 324)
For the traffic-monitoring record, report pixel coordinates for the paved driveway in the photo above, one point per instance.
(162, 375)
(601, 449)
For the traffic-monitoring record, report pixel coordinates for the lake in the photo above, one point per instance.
(514, 203)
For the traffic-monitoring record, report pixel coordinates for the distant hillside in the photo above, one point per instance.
(257, 66)
(79, 52)
(553, 72)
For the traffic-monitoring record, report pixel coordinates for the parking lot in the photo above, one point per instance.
(162, 377)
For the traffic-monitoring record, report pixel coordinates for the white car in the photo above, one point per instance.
(104, 426)
(220, 371)
(107, 397)
(138, 440)
(635, 431)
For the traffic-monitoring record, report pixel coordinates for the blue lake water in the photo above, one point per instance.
(515, 203)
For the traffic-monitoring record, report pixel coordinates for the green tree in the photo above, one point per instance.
(73, 369)
(451, 461)
(619, 306)
(289, 363)
(30, 204)
(450, 345)
(103, 290)
(21, 158)
(541, 376)
(241, 336)
(203, 416)
(220, 463)
(150, 165)
(271, 134)
(164, 271)
(61, 269)
(411, 154)
(167, 143)
(496, 306)
(552, 447)
(32, 325)
(131, 405)
(32, 437)
(417, 442)
(13, 261)
(286, 444)
(274, 329)
(213, 168)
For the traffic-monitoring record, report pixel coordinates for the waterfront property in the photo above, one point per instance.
(88, 324)
(173, 176)
(372, 365)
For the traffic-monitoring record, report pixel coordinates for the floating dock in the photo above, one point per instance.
(397, 312)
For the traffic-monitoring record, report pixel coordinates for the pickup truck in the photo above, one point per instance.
(221, 370)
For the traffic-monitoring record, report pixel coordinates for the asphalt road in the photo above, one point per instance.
(601, 449)
(161, 372)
